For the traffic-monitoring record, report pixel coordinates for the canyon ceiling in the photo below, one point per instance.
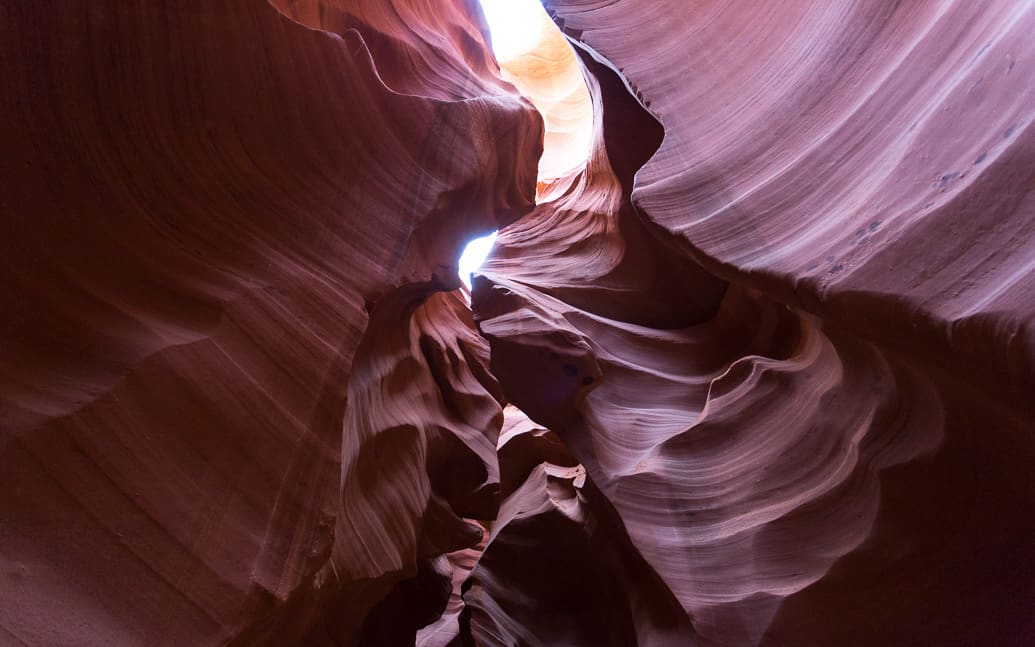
(761, 371)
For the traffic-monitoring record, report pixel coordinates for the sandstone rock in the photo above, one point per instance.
(757, 370)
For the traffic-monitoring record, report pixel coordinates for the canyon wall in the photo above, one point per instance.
(760, 372)
(211, 211)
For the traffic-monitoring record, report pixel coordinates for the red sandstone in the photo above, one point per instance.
(760, 372)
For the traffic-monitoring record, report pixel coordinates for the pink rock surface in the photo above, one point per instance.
(849, 158)
(758, 373)
(825, 456)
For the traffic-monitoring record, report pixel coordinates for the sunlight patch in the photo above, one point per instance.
(515, 25)
(474, 255)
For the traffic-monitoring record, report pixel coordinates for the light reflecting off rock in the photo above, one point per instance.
(539, 61)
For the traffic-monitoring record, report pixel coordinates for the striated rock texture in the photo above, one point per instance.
(758, 371)
(206, 205)
(819, 430)
(550, 75)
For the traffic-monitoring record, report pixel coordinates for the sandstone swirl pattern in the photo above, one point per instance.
(203, 202)
(806, 463)
(760, 372)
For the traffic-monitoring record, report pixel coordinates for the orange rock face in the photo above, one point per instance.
(758, 372)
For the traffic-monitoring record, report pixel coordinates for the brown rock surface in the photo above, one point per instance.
(758, 372)
(202, 201)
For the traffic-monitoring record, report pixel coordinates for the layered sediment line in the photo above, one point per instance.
(804, 438)
(202, 202)
(873, 157)
(758, 372)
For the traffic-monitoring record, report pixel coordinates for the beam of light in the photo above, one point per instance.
(474, 255)
(515, 26)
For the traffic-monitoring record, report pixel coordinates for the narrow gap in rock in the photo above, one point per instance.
(542, 456)
(474, 255)
(537, 59)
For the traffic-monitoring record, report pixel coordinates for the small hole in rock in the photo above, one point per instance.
(474, 255)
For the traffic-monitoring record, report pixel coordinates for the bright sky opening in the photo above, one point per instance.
(534, 55)
(537, 59)
(474, 255)
(515, 26)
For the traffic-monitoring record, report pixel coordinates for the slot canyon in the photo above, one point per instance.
(751, 361)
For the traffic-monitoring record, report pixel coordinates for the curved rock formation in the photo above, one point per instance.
(550, 75)
(824, 150)
(758, 372)
(790, 458)
(202, 203)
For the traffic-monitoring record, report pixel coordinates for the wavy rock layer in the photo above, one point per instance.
(865, 158)
(202, 202)
(771, 344)
(550, 75)
(797, 442)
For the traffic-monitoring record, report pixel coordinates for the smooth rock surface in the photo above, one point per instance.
(835, 450)
(757, 371)
(203, 201)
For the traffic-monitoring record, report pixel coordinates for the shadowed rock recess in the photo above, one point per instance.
(761, 371)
